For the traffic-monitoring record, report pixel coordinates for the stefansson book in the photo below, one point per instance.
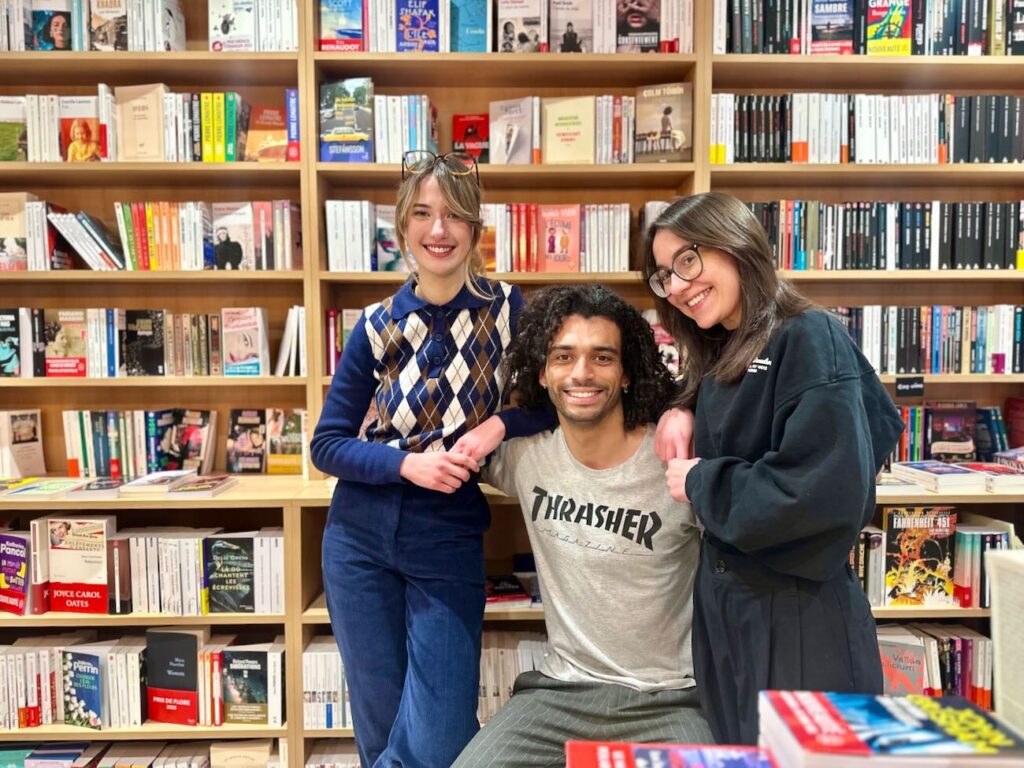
(346, 121)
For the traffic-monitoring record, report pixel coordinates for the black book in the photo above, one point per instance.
(230, 572)
(946, 213)
(992, 128)
(961, 152)
(1017, 132)
(917, 16)
(979, 128)
(976, 239)
(1018, 339)
(142, 343)
(1005, 116)
(172, 673)
(918, 246)
(38, 343)
(1015, 28)
(906, 236)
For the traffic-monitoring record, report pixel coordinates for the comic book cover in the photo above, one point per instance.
(919, 556)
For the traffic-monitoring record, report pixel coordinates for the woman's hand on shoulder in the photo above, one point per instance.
(673, 438)
(676, 474)
(438, 471)
(481, 441)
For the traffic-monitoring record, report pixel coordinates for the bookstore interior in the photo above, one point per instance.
(231, 166)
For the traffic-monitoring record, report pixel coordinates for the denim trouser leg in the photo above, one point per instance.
(366, 602)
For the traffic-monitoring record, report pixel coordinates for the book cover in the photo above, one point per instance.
(14, 231)
(51, 25)
(470, 26)
(230, 573)
(82, 671)
(244, 341)
(571, 26)
(522, 26)
(267, 138)
(173, 25)
(244, 676)
(666, 344)
(919, 556)
(511, 135)
(233, 236)
(558, 232)
(664, 123)
(108, 25)
(638, 27)
(172, 673)
(888, 28)
(953, 425)
(389, 257)
(232, 25)
(568, 130)
(203, 487)
(119, 575)
(192, 446)
(417, 28)
(285, 438)
(100, 488)
(78, 563)
(21, 443)
(247, 438)
(157, 483)
(44, 489)
(140, 122)
(142, 343)
(471, 134)
(832, 26)
(607, 754)
(341, 25)
(863, 728)
(15, 566)
(13, 129)
(346, 121)
(66, 337)
(12, 341)
(903, 661)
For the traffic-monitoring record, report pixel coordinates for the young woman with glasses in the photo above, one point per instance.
(403, 547)
(791, 425)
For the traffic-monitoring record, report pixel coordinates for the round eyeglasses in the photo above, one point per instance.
(457, 163)
(687, 265)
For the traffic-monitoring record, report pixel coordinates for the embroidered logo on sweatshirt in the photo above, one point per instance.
(759, 364)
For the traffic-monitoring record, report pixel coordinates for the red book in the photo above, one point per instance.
(471, 134)
(172, 669)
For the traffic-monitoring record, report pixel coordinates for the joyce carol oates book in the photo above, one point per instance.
(78, 562)
(346, 121)
(172, 673)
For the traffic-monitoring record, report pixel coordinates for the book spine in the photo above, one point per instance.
(292, 111)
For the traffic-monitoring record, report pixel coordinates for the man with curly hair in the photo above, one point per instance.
(616, 555)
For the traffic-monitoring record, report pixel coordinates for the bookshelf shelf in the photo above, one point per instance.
(194, 68)
(328, 733)
(148, 731)
(47, 620)
(13, 175)
(961, 378)
(586, 70)
(135, 382)
(519, 278)
(899, 612)
(526, 176)
(853, 175)
(866, 73)
(158, 276)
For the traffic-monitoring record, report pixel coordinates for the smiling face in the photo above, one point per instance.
(583, 372)
(714, 296)
(439, 240)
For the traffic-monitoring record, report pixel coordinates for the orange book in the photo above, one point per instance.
(558, 235)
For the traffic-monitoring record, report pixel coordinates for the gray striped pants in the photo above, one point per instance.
(531, 730)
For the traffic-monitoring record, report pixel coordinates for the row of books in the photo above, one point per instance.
(184, 676)
(654, 126)
(809, 234)
(957, 430)
(937, 660)
(113, 342)
(91, 25)
(939, 338)
(151, 235)
(132, 444)
(505, 26)
(145, 754)
(879, 27)
(961, 476)
(333, 753)
(146, 123)
(82, 564)
(923, 128)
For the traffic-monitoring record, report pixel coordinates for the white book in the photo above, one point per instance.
(232, 25)
(157, 483)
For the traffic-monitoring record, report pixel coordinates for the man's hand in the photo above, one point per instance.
(674, 435)
(444, 472)
(676, 474)
(481, 441)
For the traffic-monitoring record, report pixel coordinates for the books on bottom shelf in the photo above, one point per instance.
(147, 754)
(604, 754)
(333, 753)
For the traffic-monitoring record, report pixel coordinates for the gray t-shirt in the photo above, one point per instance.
(616, 557)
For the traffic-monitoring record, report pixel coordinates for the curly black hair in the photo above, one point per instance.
(650, 384)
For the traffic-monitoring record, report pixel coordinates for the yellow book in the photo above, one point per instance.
(154, 245)
(568, 132)
(206, 115)
(219, 149)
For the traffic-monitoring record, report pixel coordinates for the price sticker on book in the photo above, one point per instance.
(909, 386)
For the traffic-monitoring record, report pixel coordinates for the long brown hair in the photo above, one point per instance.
(463, 196)
(721, 221)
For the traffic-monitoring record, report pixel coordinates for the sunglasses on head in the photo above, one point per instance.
(457, 163)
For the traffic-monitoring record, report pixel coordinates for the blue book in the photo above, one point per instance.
(346, 121)
(85, 673)
(469, 26)
(418, 29)
(341, 25)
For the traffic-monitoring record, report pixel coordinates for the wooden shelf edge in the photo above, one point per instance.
(328, 733)
(154, 382)
(158, 276)
(148, 731)
(47, 620)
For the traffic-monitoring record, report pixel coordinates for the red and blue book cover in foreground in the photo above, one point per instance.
(607, 754)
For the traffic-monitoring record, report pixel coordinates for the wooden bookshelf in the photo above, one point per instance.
(456, 84)
(148, 731)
